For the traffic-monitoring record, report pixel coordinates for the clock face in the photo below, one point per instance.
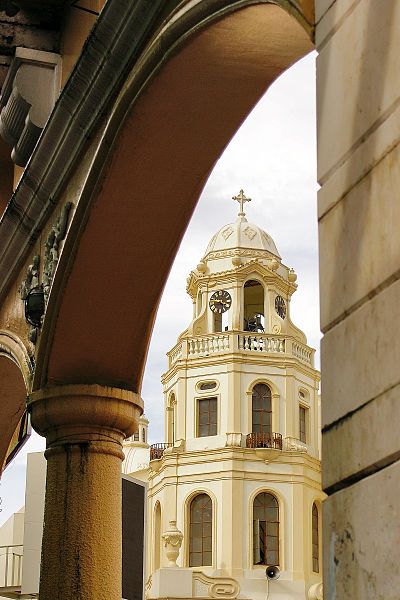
(280, 307)
(220, 301)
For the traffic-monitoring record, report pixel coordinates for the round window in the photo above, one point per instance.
(207, 385)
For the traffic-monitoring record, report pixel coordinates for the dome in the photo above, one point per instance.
(240, 235)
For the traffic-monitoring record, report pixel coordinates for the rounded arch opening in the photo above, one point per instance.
(264, 40)
(266, 529)
(12, 407)
(201, 530)
(253, 306)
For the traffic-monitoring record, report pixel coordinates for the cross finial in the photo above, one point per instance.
(241, 198)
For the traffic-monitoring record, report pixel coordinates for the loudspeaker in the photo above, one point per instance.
(272, 572)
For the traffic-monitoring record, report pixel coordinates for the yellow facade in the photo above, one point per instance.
(219, 362)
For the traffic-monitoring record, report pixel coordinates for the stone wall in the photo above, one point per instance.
(358, 92)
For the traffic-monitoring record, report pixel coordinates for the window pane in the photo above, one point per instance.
(272, 558)
(195, 560)
(200, 542)
(265, 529)
(207, 560)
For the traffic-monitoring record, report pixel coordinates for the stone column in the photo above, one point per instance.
(84, 426)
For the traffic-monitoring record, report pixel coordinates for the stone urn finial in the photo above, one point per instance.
(172, 539)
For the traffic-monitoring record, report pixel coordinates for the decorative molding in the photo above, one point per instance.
(233, 440)
(30, 282)
(32, 278)
(52, 248)
(28, 96)
(214, 587)
(172, 541)
(316, 592)
(12, 347)
(226, 232)
(249, 232)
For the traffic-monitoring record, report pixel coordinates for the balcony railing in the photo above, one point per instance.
(157, 450)
(244, 342)
(10, 566)
(264, 440)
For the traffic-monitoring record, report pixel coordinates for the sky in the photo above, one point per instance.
(273, 158)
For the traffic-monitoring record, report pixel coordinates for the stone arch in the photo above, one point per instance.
(15, 380)
(133, 167)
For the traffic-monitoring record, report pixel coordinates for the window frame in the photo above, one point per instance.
(278, 537)
(189, 529)
(270, 412)
(306, 409)
(198, 402)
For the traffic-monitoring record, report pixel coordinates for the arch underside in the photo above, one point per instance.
(12, 404)
(168, 143)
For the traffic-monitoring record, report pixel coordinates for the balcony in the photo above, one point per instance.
(10, 570)
(157, 450)
(228, 342)
(264, 440)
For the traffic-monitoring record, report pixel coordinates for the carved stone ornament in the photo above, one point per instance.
(172, 540)
(316, 592)
(30, 282)
(233, 440)
(227, 232)
(52, 246)
(215, 587)
(249, 232)
(32, 278)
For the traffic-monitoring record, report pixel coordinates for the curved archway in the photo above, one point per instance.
(13, 402)
(150, 183)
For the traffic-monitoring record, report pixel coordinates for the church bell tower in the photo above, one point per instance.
(238, 477)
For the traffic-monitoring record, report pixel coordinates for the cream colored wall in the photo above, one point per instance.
(33, 522)
(233, 479)
(358, 92)
(233, 393)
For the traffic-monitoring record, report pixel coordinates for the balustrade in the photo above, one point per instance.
(219, 343)
(264, 440)
(157, 450)
(10, 566)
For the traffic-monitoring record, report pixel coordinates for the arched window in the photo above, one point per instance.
(265, 530)
(261, 409)
(200, 534)
(143, 435)
(253, 310)
(315, 539)
(157, 536)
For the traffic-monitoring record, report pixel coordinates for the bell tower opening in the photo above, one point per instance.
(253, 308)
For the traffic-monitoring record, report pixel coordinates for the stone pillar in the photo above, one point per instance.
(358, 103)
(84, 426)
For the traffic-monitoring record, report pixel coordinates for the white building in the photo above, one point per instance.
(237, 483)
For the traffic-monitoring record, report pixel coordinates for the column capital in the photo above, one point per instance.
(84, 412)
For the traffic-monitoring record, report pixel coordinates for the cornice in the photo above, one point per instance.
(239, 274)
